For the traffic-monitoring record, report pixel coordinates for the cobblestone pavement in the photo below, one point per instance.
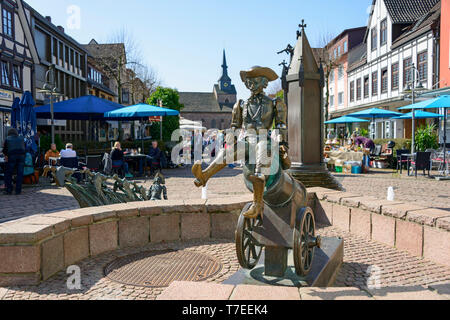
(422, 191)
(389, 268)
(49, 199)
(94, 286)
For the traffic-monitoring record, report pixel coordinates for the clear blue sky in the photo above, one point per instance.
(183, 39)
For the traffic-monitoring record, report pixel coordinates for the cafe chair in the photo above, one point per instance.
(421, 162)
(72, 163)
(94, 163)
(401, 162)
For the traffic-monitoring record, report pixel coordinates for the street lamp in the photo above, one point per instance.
(51, 89)
(414, 87)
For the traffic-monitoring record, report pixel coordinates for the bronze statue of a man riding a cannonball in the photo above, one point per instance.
(258, 115)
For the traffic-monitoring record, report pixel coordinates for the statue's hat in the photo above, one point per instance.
(258, 71)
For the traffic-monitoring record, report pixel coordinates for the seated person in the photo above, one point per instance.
(118, 160)
(364, 142)
(154, 157)
(52, 153)
(68, 152)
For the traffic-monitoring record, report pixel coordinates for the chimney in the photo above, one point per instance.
(60, 28)
(49, 19)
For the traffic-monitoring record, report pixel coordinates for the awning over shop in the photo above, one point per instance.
(83, 108)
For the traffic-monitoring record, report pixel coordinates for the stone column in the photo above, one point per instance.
(305, 118)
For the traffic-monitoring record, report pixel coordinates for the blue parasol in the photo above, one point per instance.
(28, 121)
(419, 115)
(15, 115)
(345, 119)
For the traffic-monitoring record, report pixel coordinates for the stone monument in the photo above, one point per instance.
(304, 84)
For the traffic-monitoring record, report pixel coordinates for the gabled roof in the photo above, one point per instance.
(357, 57)
(200, 102)
(408, 11)
(423, 25)
(104, 50)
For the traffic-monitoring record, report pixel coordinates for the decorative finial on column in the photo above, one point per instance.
(302, 26)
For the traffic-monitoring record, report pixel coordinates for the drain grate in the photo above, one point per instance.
(161, 268)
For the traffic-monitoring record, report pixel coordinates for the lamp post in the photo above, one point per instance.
(51, 89)
(413, 87)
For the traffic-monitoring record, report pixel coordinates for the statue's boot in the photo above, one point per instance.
(202, 177)
(257, 208)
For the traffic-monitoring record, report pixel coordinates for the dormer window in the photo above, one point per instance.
(374, 37)
(383, 32)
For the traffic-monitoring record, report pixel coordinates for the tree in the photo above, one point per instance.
(329, 64)
(170, 99)
(122, 62)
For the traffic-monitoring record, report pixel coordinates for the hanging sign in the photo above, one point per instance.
(155, 119)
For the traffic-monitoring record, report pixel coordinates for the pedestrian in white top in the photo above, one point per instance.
(68, 152)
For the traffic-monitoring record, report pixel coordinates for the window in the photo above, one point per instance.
(374, 37)
(366, 86)
(374, 83)
(332, 76)
(345, 47)
(16, 77)
(331, 101)
(384, 80)
(383, 32)
(358, 89)
(422, 65)
(339, 51)
(407, 74)
(7, 22)
(5, 73)
(395, 76)
(352, 91)
(125, 96)
(341, 98)
(335, 53)
(341, 72)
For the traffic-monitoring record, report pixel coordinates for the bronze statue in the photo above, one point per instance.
(99, 190)
(158, 190)
(278, 219)
(257, 114)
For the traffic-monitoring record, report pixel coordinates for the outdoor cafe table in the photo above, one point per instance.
(344, 156)
(140, 159)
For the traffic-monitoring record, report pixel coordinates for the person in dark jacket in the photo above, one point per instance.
(154, 157)
(14, 151)
(118, 160)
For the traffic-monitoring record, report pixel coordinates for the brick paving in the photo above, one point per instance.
(49, 199)
(395, 269)
(421, 191)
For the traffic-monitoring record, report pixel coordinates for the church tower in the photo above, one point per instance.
(225, 91)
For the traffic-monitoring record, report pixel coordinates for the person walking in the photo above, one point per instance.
(14, 151)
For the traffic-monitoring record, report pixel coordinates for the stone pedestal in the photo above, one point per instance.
(327, 263)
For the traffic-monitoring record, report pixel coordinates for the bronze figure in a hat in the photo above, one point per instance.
(255, 117)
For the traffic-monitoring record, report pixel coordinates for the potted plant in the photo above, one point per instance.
(426, 138)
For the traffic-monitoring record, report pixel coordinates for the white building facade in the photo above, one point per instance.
(17, 57)
(378, 77)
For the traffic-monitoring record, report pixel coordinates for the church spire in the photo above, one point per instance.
(224, 65)
(224, 78)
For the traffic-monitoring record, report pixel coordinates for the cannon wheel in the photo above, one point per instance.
(248, 249)
(304, 241)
